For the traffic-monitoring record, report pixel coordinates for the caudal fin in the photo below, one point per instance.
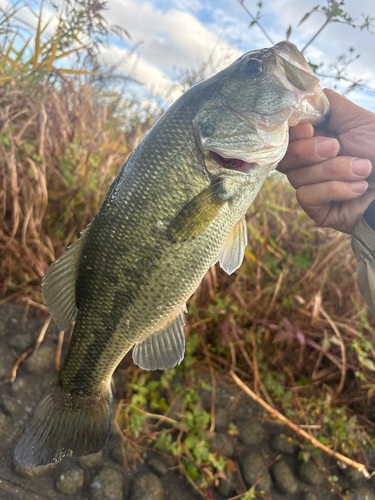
(64, 424)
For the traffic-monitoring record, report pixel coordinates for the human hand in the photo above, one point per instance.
(327, 170)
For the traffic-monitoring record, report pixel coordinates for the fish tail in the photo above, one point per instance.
(65, 424)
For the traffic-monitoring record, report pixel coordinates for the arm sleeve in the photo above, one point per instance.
(363, 245)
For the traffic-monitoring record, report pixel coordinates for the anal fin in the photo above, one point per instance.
(231, 255)
(163, 349)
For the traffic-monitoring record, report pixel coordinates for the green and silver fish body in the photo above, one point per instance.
(176, 207)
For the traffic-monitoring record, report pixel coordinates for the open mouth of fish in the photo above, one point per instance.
(232, 163)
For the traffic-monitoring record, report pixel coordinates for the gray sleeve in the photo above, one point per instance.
(363, 245)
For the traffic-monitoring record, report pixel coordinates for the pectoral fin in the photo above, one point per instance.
(164, 348)
(198, 214)
(231, 255)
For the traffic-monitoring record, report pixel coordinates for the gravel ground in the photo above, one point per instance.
(263, 449)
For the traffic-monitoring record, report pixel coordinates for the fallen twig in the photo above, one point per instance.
(298, 430)
(59, 351)
(41, 335)
(213, 382)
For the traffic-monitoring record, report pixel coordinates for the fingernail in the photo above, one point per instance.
(359, 187)
(327, 148)
(361, 167)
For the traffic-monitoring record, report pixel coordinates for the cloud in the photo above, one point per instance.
(169, 39)
(149, 75)
(176, 34)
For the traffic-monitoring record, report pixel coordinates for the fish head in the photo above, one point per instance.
(245, 121)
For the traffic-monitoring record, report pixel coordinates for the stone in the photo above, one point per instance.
(283, 444)
(158, 466)
(33, 473)
(221, 420)
(222, 445)
(70, 481)
(43, 360)
(146, 486)
(3, 423)
(116, 454)
(309, 473)
(107, 485)
(2, 328)
(20, 386)
(309, 496)
(21, 342)
(225, 485)
(252, 435)
(9, 406)
(284, 478)
(91, 460)
(354, 476)
(253, 469)
(7, 361)
(362, 494)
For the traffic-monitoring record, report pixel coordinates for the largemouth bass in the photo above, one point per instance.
(176, 208)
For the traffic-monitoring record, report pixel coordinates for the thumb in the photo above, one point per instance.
(344, 113)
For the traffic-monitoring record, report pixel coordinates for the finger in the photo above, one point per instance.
(340, 215)
(308, 152)
(301, 131)
(340, 168)
(329, 191)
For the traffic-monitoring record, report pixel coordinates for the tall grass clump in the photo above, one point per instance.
(62, 136)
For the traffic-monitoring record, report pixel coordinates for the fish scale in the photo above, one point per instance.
(176, 207)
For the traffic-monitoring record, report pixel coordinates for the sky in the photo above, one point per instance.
(170, 37)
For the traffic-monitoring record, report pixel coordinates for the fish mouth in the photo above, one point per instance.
(235, 164)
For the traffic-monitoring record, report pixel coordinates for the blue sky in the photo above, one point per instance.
(172, 35)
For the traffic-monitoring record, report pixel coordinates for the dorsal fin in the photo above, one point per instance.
(164, 348)
(59, 284)
(231, 255)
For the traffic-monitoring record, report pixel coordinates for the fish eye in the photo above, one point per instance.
(254, 67)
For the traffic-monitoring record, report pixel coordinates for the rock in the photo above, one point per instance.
(21, 342)
(33, 473)
(284, 478)
(91, 460)
(309, 473)
(225, 485)
(253, 469)
(70, 481)
(116, 454)
(362, 494)
(43, 360)
(309, 496)
(354, 476)
(7, 360)
(9, 406)
(146, 486)
(252, 435)
(283, 444)
(158, 466)
(3, 423)
(20, 386)
(2, 328)
(221, 420)
(222, 445)
(107, 485)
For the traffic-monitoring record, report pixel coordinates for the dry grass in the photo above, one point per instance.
(57, 158)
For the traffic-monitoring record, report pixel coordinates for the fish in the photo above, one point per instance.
(176, 208)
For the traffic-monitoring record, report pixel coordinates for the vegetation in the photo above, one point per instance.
(290, 322)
